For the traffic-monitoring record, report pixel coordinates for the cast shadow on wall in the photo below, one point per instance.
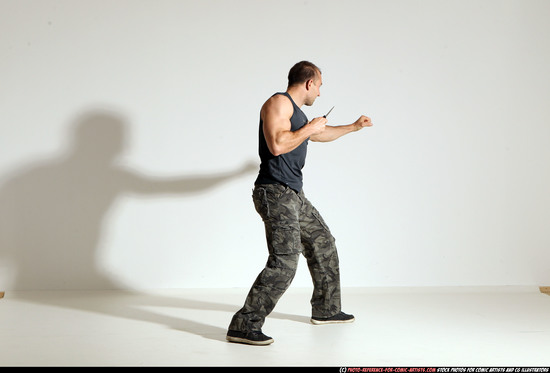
(52, 213)
(51, 222)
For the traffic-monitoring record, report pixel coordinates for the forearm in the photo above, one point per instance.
(287, 141)
(332, 133)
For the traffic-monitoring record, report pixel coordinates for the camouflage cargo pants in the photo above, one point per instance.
(293, 227)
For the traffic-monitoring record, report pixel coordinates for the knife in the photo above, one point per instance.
(326, 115)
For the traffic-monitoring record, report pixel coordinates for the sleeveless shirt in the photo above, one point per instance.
(285, 169)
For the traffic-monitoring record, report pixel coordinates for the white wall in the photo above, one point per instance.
(450, 187)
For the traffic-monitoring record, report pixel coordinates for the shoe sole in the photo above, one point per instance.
(249, 342)
(323, 322)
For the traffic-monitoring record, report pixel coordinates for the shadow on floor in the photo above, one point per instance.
(136, 306)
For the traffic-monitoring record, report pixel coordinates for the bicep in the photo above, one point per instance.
(276, 122)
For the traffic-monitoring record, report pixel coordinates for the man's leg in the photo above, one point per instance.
(322, 259)
(278, 206)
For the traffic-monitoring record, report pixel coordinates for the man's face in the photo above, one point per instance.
(314, 89)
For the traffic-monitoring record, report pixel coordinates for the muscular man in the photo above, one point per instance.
(292, 225)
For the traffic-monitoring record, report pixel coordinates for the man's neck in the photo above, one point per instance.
(297, 94)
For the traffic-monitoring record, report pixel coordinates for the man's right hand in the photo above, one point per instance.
(318, 125)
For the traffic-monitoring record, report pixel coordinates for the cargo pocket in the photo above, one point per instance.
(284, 247)
(285, 240)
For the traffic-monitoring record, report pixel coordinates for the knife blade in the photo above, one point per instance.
(324, 116)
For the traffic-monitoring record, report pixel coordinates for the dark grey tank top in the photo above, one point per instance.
(285, 169)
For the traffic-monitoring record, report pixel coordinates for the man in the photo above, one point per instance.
(292, 224)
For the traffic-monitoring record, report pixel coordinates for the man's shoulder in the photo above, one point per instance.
(278, 102)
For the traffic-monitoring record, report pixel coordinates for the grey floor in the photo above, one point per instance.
(393, 327)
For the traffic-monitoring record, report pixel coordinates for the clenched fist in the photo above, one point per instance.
(318, 125)
(362, 122)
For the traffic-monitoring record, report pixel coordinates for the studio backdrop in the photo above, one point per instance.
(129, 135)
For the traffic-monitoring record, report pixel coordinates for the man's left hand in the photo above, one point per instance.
(362, 122)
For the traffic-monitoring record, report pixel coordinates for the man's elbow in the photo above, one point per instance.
(277, 153)
(275, 149)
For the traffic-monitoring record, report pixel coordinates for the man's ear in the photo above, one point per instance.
(309, 83)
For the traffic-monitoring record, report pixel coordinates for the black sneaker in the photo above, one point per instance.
(252, 338)
(339, 318)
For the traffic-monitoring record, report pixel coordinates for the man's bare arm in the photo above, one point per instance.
(332, 133)
(276, 114)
